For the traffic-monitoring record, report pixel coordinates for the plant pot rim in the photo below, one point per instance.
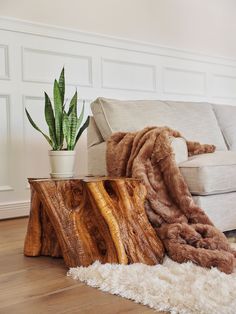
(61, 152)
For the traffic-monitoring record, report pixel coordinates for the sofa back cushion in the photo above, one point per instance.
(196, 121)
(226, 116)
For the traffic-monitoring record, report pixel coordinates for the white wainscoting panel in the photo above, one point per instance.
(179, 81)
(4, 62)
(32, 55)
(224, 86)
(36, 163)
(39, 64)
(128, 76)
(4, 142)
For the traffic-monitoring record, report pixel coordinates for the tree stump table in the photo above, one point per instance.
(84, 220)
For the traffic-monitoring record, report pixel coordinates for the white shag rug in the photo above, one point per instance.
(177, 288)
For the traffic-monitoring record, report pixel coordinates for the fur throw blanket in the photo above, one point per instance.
(185, 230)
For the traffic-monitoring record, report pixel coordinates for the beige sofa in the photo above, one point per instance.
(211, 178)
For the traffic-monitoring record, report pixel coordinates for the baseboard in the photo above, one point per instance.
(14, 209)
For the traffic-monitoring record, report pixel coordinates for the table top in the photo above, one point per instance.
(83, 178)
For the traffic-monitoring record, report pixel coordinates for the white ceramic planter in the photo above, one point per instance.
(62, 163)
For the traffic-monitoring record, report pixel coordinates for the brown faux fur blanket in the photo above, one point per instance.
(185, 230)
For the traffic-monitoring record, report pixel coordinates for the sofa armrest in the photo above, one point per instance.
(180, 149)
(94, 136)
(97, 159)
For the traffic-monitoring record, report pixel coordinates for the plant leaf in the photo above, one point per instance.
(81, 116)
(37, 128)
(73, 103)
(84, 127)
(66, 128)
(58, 109)
(49, 117)
(73, 129)
(62, 84)
(64, 106)
(78, 124)
(73, 120)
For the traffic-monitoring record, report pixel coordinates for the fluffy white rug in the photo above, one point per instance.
(177, 288)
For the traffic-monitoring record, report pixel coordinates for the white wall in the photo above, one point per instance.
(31, 56)
(206, 26)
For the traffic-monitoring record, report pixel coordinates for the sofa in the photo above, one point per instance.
(211, 178)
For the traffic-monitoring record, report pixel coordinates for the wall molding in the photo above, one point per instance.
(55, 53)
(7, 186)
(165, 69)
(24, 121)
(6, 75)
(14, 209)
(152, 67)
(231, 78)
(57, 32)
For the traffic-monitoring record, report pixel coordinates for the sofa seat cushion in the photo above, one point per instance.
(220, 208)
(196, 121)
(210, 173)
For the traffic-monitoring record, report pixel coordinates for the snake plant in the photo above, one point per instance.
(64, 126)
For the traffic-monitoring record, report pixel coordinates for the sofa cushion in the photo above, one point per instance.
(210, 173)
(220, 208)
(196, 121)
(226, 116)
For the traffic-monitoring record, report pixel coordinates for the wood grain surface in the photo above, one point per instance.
(87, 220)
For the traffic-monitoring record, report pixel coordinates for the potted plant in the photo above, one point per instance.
(65, 129)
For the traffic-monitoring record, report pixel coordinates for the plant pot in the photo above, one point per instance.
(62, 163)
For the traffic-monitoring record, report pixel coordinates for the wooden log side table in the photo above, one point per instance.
(84, 220)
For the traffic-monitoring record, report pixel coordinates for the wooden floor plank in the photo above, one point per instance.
(35, 285)
(15, 261)
(80, 299)
(33, 282)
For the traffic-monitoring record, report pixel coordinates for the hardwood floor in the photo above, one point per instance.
(38, 285)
